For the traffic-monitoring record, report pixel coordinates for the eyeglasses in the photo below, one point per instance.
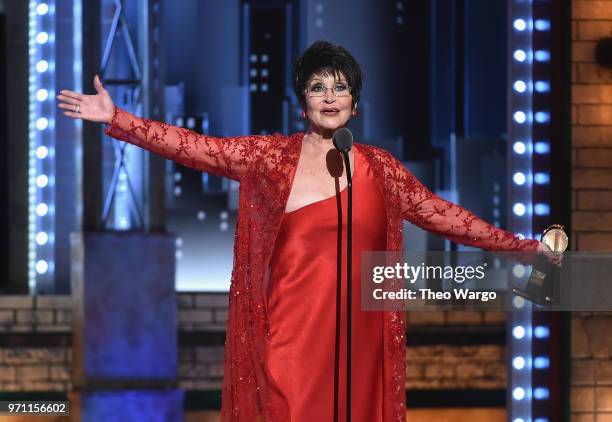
(340, 89)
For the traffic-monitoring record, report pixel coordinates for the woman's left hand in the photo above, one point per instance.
(553, 257)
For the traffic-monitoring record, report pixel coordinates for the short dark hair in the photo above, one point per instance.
(325, 58)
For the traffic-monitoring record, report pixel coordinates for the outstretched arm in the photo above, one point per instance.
(229, 157)
(427, 210)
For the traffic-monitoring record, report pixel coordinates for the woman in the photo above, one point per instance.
(280, 358)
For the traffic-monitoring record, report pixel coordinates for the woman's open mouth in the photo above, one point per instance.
(330, 111)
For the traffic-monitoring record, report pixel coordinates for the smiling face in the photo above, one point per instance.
(329, 104)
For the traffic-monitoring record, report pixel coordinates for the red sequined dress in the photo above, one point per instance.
(255, 387)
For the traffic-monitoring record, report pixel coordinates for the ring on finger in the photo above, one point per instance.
(78, 108)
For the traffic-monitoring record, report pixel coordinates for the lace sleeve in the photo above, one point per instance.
(229, 157)
(422, 207)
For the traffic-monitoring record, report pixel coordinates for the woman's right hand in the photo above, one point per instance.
(97, 108)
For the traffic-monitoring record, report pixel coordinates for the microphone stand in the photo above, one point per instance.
(349, 265)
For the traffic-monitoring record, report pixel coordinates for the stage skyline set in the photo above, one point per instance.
(474, 98)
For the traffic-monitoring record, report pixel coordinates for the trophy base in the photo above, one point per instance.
(538, 299)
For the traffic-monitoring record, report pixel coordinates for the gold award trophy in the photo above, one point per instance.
(542, 283)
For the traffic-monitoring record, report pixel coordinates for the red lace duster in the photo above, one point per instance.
(265, 166)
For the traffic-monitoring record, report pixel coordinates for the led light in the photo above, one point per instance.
(42, 94)
(541, 209)
(542, 147)
(518, 393)
(541, 331)
(520, 86)
(518, 420)
(42, 66)
(42, 152)
(520, 25)
(42, 209)
(41, 266)
(520, 55)
(541, 178)
(542, 86)
(519, 147)
(541, 393)
(520, 117)
(518, 362)
(42, 37)
(541, 420)
(518, 302)
(542, 117)
(518, 270)
(223, 226)
(541, 362)
(519, 178)
(42, 238)
(42, 181)
(519, 209)
(518, 332)
(542, 25)
(42, 9)
(542, 55)
(42, 123)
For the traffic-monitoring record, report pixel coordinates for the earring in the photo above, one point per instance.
(303, 114)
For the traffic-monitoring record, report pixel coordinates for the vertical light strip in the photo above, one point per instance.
(520, 102)
(41, 129)
(522, 92)
(77, 75)
(519, 384)
(541, 390)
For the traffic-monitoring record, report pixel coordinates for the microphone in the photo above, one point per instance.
(343, 139)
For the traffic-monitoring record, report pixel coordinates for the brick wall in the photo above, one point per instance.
(591, 129)
(201, 367)
(455, 366)
(35, 368)
(46, 367)
(591, 372)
